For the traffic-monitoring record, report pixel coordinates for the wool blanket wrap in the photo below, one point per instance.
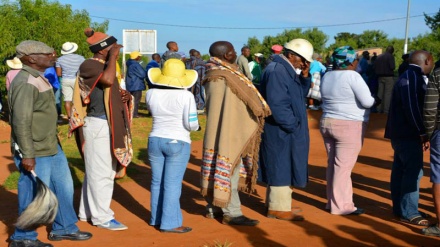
(119, 114)
(235, 113)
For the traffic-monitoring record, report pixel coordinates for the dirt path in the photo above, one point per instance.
(371, 187)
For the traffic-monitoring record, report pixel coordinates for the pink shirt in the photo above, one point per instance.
(10, 76)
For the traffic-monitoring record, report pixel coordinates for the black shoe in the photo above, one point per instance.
(358, 211)
(77, 236)
(28, 243)
(239, 221)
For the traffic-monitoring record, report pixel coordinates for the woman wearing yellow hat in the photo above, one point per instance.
(169, 145)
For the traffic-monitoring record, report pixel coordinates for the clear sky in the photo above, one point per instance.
(237, 20)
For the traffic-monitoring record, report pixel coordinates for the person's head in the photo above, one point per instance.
(316, 57)
(405, 57)
(423, 59)
(173, 75)
(277, 49)
(299, 53)
(99, 43)
(156, 57)
(68, 48)
(223, 50)
(36, 54)
(344, 57)
(245, 51)
(366, 55)
(172, 46)
(258, 57)
(191, 52)
(196, 54)
(390, 49)
(135, 55)
(14, 63)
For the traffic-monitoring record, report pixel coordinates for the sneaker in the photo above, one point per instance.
(314, 108)
(113, 225)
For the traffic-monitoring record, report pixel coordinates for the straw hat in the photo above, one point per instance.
(14, 63)
(173, 74)
(68, 47)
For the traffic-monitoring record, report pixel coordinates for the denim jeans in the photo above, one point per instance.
(168, 160)
(55, 173)
(406, 173)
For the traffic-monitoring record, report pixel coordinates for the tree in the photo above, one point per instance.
(315, 36)
(49, 22)
(433, 22)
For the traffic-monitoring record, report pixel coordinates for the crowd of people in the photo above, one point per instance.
(256, 127)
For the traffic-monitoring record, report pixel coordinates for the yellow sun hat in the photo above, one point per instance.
(173, 74)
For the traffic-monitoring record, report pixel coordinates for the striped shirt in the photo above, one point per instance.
(431, 109)
(69, 65)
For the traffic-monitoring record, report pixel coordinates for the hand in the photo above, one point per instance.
(114, 51)
(305, 69)
(28, 164)
(125, 95)
(426, 146)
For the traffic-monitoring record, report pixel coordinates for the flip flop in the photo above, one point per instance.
(417, 220)
(432, 231)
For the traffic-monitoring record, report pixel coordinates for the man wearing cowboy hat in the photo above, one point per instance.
(67, 66)
(285, 141)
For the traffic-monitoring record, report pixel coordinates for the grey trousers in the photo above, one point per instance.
(384, 92)
(234, 207)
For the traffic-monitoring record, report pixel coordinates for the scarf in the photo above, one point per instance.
(235, 121)
(119, 116)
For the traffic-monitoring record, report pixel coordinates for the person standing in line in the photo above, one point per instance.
(101, 112)
(255, 68)
(384, 69)
(408, 138)
(285, 140)
(431, 116)
(345, 104)
(276, 49)
(235, 113)
(243, 62)
(169, 144)
(154, 63)
(172, 52)
(135, 79)
(67, 67)
(35, 145)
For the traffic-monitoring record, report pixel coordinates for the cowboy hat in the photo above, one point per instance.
(14, 63)
(68, 47)
(173, 74)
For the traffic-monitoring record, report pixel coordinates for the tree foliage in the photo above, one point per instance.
(433, 22)
(315, 36)
(42, 20)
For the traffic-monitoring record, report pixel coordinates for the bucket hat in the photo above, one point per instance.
(68, 47)
(301, 47)
(14, 63)
(173, 74)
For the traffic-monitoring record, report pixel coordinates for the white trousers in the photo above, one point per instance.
(97, 189)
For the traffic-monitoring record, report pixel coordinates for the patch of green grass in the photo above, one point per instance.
(11, 181)
(140, 130)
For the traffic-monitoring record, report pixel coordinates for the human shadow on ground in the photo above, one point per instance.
(373, 208)
(8, 210)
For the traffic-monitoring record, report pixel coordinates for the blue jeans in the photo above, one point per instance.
(406, 173)
(168, 160)
(55, 173)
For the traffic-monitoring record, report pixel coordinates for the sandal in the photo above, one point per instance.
(417, 220)
(432, 231)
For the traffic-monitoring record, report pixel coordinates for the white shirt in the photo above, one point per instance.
(174, 113)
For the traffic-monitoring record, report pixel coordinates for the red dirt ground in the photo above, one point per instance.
(370, 177)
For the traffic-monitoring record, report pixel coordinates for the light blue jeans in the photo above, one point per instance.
(168, 160)
(55, 173)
